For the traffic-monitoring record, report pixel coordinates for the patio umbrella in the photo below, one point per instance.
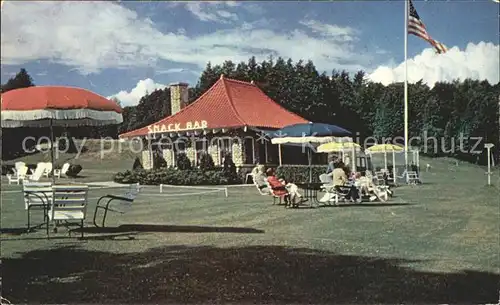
(53, 106)
(341, 147)
(310, 133)
(385, 148)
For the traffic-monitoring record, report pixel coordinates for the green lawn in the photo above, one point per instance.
(435, 243)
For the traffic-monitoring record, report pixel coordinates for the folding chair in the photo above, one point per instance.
(69, 203)
(20, 175)
(412, 178)
(332, 194)
(260, 189)
(48, 169)
(37, 196)
(122, 203)
(274, 195)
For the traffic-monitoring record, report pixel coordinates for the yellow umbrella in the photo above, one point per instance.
(337, 147)
(385, 148)
(341, 147)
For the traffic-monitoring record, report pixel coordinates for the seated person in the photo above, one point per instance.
(281, 188)
(367, 187)
(259, 178)
(341, 182)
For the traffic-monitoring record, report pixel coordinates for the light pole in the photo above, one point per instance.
(488, 147)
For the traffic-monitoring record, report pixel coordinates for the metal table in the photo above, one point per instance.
(310, 192)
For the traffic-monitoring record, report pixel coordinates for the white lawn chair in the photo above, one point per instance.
(412, 178)
(18, 165)
(331, 194)
(19, 176)
(69, 203)
(40, 169)
(47, 169)
(121, 203)
(37, 196)
(379, 178)
(260, 188)
(64, 169)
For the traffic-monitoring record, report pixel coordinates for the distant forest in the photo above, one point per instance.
(468, 108)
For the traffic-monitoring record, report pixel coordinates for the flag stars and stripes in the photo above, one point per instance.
(417, 27)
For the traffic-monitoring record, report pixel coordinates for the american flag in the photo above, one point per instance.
(417, 28)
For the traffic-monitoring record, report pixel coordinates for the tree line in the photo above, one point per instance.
(447, 112)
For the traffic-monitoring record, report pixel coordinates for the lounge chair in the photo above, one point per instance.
(37, 196)
(331, 194)
(40, 169)
(260, 189)
(69, 203)
(121, 203)
(20, 175)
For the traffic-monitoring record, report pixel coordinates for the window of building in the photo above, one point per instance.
(249, 151)
(179, 148)
(225, 147)
(262, 148)
(201, 148)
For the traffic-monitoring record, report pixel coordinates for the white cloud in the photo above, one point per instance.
(177, 70)
(477, 61)
(91, 36)
(330, 31)
(214, 11)
(132, 97)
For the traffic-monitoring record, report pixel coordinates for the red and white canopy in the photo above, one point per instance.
(59, 106)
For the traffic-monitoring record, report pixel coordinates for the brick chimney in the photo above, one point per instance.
(179, 96)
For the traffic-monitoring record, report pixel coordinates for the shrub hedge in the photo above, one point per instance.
(174, 176)
(300, 173)
(213, 176)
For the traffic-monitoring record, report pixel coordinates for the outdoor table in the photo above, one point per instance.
(310, 191)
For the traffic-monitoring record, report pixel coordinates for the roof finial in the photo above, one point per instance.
(222, 76)
(251, 82)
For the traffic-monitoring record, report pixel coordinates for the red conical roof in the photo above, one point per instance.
(227, 104)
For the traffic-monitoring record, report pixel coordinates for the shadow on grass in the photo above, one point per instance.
(13, 231)
(168, 228)
(259, 274)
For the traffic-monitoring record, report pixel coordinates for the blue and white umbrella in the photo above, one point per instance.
(310, 134)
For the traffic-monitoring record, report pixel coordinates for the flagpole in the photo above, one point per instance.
(406, 85)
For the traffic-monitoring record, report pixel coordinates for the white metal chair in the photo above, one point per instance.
(62, 171)
(331, 194)
(69, 203)
(47, 169)
(412, 178)
(18, 165)
(40, 169)
(37, 196)
(260, 188)
(19, 175)
(121, 203)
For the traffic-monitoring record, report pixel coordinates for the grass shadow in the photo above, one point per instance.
(253, 274)
(130, 228)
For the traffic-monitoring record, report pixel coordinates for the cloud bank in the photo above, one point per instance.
(132, 97)
(91, 36)
(478, 61)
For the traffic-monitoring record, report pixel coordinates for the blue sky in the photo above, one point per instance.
(125, 46)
